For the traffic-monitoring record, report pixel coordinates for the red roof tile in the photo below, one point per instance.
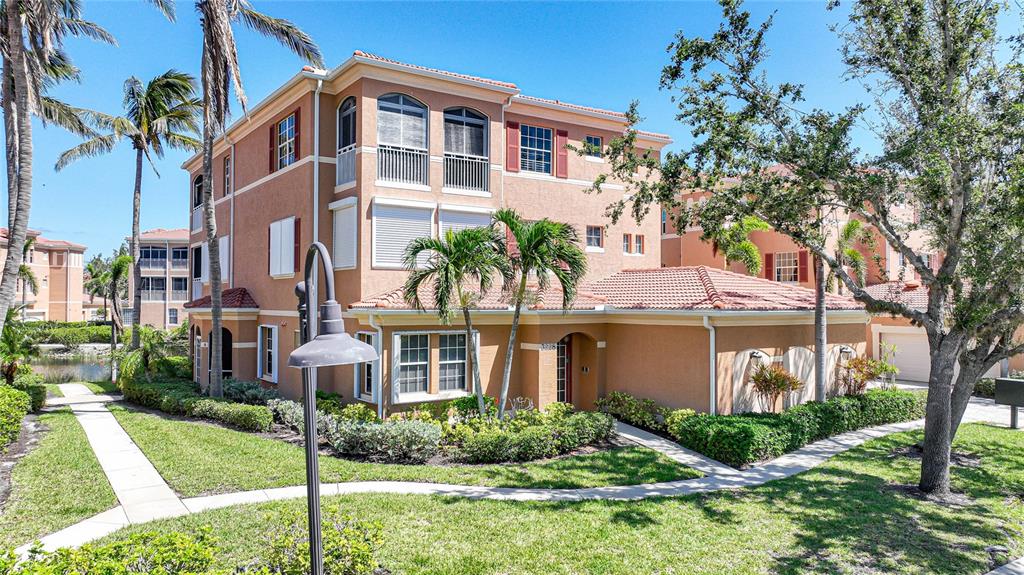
(573, 106)
(912, 293)
(45, 242)
(361, 54)
(493, 300)
(176, 234)
(234, 298)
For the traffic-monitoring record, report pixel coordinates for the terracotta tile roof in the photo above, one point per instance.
(682, 288)
(45, 242)
(573, 106)
(234, 298)
(361, 54)
(701, 287)
(910, 293)
(166, 234)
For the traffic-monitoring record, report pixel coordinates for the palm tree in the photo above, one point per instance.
(220, 72)
(543, 248)
(117, 284)
(29, 282)
(735, 244)
(96, 280)
(851, 233)
(16, 346)
(468, 256)
(164, 113)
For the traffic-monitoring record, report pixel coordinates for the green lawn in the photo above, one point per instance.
(101, 387)
(53, 390)
(57, 484)
(196, 458)
(837, 518)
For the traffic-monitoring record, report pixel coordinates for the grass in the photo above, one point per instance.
(101, 387)
(53, 390)
(56, 485)
(840, 517)
(196, 458)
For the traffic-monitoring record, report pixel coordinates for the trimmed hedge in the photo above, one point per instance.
(240, 415)
(740, 440)
(557, 435)
(74, 335)
(32, 384)
(14, 405)
(179, 366)
(388, 441)
(180, 397)
(251, 392)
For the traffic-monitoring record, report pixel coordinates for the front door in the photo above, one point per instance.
(564, 376)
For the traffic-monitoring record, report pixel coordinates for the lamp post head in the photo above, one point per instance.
(332, 346)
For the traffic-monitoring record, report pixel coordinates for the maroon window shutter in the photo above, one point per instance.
(298, 241)
(512, 146)
(561, 154)
(803, 267)
(769, 266)
(273, 148)
(297, 124)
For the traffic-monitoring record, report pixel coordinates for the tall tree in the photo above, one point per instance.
(163, 113)
(455, 262)
(220, 72)
(951, 127)
(542, 248)
(117, 289)
(95, 279)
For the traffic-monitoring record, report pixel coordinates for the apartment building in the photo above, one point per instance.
(165, 284)
(374, 153)
(57, 266)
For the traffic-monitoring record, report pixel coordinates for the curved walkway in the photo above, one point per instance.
(718, 476)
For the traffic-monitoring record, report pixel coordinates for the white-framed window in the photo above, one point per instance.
(227, 175)
(394, 226)
(365, 372)
(535, 149)
(927, 260)
(266, 368)
(452, 370)
(627, 243)
(286, 142)
(282, 247)
(786, 267)
(458, 218)
(347, 123)
(197, 191)
(172, 316)
(224, 246)
(595, 146)
(413, 369)
(465, 132)
(638, 244)
(401, 121)
(664, 221)
(205, 262)
(595, 237)
(345, 234)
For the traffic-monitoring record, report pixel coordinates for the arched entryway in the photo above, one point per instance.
(577, 370)
(225, 351)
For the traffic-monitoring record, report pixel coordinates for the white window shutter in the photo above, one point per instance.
(396, 226)
(287, 245)
(345, 239)
(224, 243)
(458, 220)
(206, 263)
(275, 248)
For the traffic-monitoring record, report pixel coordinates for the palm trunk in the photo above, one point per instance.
(506, 375)
(938, 417)
(210, 221)
(136, 249)
(820, 336)
(476, 362)
(23, 123)
(11, 140)
(24, 300)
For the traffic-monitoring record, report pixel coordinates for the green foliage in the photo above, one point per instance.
(740, 440)
(16, 347)
(72, 336)
(180, 397)
(358, 412)
(350, 546)
(329, 402)
(643, 413)
(770, 381)
(250, 392)
(14, 405)
(32, 384)
(986, 387)
(499, 441)
(859, 371)
(178, 366)
(240, 415)
(388, 441)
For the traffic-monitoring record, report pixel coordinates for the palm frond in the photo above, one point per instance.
(284, 31)
(166, 7)
(89, 149)
(72, 119)
(87, 29)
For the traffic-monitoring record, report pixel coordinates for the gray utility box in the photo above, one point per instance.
(1010, 392)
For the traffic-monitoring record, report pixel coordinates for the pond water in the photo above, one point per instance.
(77, 367)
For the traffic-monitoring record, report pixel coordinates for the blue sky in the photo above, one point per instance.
(599, 54)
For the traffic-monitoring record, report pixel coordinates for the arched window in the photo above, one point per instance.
(347, 123)
(197, 191)
(465, 132)
(401, 121)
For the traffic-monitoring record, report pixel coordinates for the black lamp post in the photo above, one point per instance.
(322, 346)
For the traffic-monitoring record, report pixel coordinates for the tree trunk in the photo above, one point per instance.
(820, 336)
(11, 140)
(972, 366)
(136, 249)
(937, 436)
(23, 123)
(476, 362)
(507, 372)
(210, 220)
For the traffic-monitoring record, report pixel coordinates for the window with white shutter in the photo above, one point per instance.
(394, 226)
(225, 257)
(456, 219)
(206, 263)
(345, 238)
(282, 247)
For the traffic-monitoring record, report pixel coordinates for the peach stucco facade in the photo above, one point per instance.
(58, 268)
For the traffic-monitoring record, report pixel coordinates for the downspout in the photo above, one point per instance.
(231, 224)
(67, 286)
(380, 362)
(712, 367)
(316, 160)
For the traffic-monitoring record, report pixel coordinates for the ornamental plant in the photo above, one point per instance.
(772, 381)
(860, 371)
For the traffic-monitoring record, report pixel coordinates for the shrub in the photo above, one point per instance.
(32, 384)
(350, 546)
(388, 441)
(771, 381)
(643, 413)
(468, 406)
(359, 412)
(740, 440)
(985, 387)
(250, 392)
(290, 414)
(179, 366)
(676, 416)
(14, 405)
(860, 371)
(72, 335)
(243, 416)
(163, 394)
(504, 441)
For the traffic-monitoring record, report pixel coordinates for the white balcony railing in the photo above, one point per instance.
(152, 263)
(179, 263)
(179, 295)
(346, 165)
(197, 289)
(404, 165)
(465, 172)
(154, 295)
(197, 218)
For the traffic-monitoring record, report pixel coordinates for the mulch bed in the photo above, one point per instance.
(31, 432)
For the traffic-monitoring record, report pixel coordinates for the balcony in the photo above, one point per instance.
(179, 263)
(197, 218)
(152, 263)
(179, 295)
(466, 172)
(346, 171)
(154, 295)
(402, 165)
(197, 288)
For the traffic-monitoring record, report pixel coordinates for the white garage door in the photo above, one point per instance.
(912, 357)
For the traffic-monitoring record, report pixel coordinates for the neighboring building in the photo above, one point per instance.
(374, 153)
(57, 265)
(165, 279)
